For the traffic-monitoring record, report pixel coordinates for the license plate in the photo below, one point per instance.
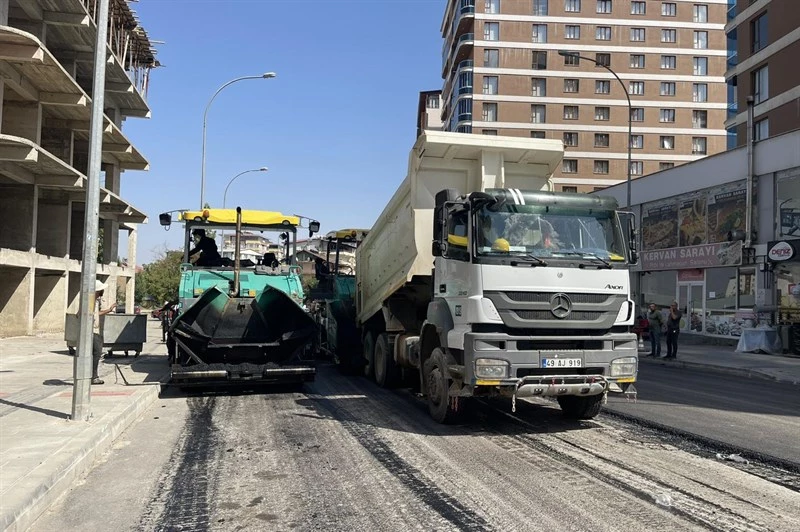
(561, 363)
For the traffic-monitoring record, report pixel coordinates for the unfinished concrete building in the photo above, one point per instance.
(46, 64)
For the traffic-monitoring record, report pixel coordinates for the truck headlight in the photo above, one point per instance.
(490, 368)
(623, 367)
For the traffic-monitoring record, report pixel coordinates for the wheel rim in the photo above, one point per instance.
(435, 386)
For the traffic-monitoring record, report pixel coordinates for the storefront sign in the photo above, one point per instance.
(705, 256)
(685, 276)
(782, 250)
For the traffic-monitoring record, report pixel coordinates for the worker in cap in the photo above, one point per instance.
(206, 247)
(97, 339)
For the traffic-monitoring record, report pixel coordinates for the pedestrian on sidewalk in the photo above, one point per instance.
(673, 329)
(656, 323)
(97, 340)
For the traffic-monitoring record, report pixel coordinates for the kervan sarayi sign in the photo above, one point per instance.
(704, 256)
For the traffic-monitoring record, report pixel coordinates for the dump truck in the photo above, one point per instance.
(239, 320)
(478, 280)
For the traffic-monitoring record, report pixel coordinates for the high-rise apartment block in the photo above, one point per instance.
(503, 75)
(763, 65)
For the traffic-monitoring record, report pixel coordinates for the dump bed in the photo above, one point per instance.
(398, 247)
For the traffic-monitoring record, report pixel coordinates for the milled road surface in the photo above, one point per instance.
(347, 455)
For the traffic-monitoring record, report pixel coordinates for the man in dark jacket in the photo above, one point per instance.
(673, 329)
(209, 255)
(656, 321)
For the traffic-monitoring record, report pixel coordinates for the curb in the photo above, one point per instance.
(59, 473)
(740, 372)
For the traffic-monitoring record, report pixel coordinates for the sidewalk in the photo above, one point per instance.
(42, 453)
(724, 358)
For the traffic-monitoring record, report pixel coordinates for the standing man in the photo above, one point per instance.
(673, 329)
(656, 321)
(97, 340)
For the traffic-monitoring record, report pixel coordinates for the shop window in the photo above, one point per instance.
(721, 294)
(659, 288)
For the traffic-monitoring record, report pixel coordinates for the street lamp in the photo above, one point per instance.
(225, 195)
(266, 75)
(566, 53)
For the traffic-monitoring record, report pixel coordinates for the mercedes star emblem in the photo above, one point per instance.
(560, 306)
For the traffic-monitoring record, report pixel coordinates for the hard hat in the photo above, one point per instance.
(501, 244)
(99, 285)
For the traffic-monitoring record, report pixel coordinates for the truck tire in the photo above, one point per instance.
(575, 407)
(386, 371)
(369, 354)
(437, 383)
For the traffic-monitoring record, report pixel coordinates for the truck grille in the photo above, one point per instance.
(538, 297)
(547, 315)
(532, 310)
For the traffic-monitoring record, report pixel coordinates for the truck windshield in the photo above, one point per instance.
(544, 231)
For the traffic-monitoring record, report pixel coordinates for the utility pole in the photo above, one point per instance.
(82, 369)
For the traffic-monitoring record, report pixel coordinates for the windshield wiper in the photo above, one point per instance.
(532, 260)
(588, 255)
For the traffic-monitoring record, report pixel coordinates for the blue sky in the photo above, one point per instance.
(335, 127)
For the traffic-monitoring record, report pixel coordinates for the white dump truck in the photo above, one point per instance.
(482, 281)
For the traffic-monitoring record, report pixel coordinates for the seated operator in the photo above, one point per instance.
(206, 247)
(321, 270)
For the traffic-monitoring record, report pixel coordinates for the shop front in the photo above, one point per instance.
(784, 261)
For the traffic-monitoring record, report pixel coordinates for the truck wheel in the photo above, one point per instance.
(386, 371)
(369, 355)
(575, 407)
(437, 382)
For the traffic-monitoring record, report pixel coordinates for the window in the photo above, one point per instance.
(604, 6)
(537, 134)
(701, 40)
(432, 101)
(637, 34)
(603, 59)
(570, 112)
(667, 88)
(669, 35)
(602, 33)
(668, 62)
(758, 30)
(601, 167)
(638, 8)
(539, 33)
(569, 166)
(490, 112)
(636, 88)
(700, 66)
(601, 140)
(491, 58)
(492, 132)
(699, 92)
(666, 142)
(569, 188)
(602, 113)
(539, 61)
(538, 114)
(699, 146)
(700, 119)
(666, 115)
(571, 85)
(491, 31)
(571, 139)
(700, 13)
(539, 7)
(761, 129)
(602, 87)
(572, 60)
(465, 83)
(761, 84)
(572, 6)
(637, 61)
(491, 6)
(597, 189)
(637, 114)
(665, 166)
(669, 9)
(637, 167)
(637, 142)
(572, 32)
(538, 87)
(490, 84)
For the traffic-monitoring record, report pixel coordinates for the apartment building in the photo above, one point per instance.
(429, 115)
(46, 72)
(763, 67)
(503, 75)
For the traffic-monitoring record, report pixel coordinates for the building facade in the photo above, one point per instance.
(46, 64)
(762, 67)
(429, 111)
(503, 75)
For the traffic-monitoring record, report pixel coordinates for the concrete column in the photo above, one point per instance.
(110, 227)
(130, 287)
(492, 170)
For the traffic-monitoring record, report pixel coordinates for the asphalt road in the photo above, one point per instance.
(754, 414)
(347, 455)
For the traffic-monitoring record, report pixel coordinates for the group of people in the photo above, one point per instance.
(669, 325)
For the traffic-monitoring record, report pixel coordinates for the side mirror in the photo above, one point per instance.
(165, 219)
(436, 248)
(313, 227)
(628, 221)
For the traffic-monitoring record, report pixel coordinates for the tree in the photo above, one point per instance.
(160, 278)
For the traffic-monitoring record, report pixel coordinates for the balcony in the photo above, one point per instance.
(733, 110)
(462, 22)
(461, 51)
(731, 11)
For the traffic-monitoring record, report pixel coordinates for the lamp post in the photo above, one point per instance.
(266, 75)
(225, 195)
(566, 53)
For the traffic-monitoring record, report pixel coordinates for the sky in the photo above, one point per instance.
(334, 127)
